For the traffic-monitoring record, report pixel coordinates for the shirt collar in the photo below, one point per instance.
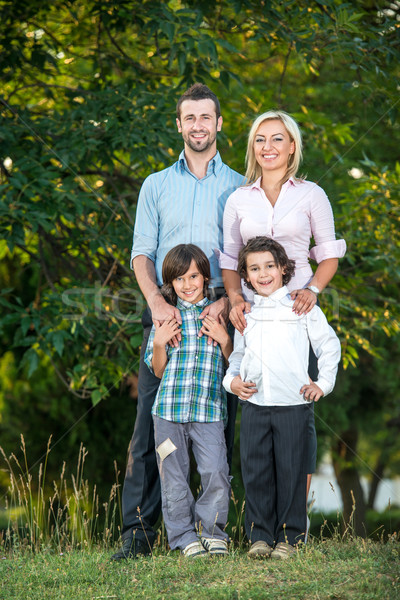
(185, 305)
(214, 165)
(275, 296)
(257, 184)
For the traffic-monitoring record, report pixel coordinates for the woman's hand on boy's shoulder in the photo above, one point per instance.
(236, 316)
(311, 392)
(304, 301)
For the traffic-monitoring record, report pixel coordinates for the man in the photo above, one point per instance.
(181, 204)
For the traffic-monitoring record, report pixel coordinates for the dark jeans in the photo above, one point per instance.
(141, 494)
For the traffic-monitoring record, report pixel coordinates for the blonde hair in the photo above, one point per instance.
(253, 169)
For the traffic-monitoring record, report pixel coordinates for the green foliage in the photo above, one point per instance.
(369, 274)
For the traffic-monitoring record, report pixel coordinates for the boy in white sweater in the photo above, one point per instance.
(268, 370)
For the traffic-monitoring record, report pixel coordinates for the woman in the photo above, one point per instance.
(276, 203)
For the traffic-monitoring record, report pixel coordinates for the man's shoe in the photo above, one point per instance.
(132, 548)
(215, 547)
(260, 549)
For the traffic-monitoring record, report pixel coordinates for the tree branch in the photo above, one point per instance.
(284, 72)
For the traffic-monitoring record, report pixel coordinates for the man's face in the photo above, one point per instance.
(199, 124)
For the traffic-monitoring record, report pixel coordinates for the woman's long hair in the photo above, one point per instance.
(253, 169)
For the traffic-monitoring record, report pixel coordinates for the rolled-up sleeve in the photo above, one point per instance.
(233, 242)
(323, 229)
(225, 261)
(333, 249)
(145, 235)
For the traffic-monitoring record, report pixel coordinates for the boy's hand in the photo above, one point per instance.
(214, 310)
(215, 329)
(166, 331)
(161, 311)
(311, 392)
(243, 389)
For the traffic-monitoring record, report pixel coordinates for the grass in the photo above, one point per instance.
(56, 543)
(63, 516)
(331, 569)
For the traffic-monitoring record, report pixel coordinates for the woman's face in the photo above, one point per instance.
(273, 146)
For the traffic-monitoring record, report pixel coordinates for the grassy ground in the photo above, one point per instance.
(331, 570)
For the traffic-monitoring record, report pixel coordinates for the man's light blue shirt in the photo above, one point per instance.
(175, 207)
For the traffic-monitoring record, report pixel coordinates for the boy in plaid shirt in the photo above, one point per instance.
(190, 408)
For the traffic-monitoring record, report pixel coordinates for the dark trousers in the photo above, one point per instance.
(312, 435)
(141, 493)
(273, 451)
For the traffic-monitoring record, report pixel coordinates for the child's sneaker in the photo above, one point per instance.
(194, 550)
(260, 549)
(215, 547)
(283, 550)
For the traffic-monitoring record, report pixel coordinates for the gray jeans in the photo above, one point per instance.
(184, 517)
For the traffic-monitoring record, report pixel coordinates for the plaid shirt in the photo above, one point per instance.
(191, 386)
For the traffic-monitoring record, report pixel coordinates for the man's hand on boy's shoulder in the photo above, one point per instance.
(161, 313)
(311, 392)
(219, 307)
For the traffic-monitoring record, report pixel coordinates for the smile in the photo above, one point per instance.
(264, 282)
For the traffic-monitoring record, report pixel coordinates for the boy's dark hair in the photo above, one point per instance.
(177, 262)
(262, 243)
(198, 91)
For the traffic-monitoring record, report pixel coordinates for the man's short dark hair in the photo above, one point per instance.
(198, 91)
(262, 243)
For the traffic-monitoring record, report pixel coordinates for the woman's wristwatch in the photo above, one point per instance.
(313, 288)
